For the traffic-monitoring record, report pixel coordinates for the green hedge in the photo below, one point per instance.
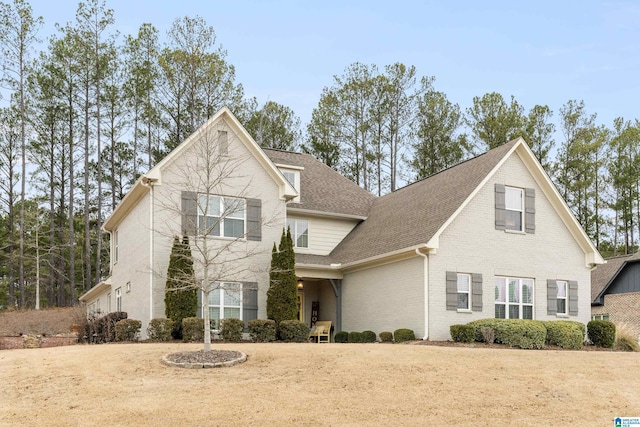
(602, 333)
(355, 337)
(231, 329)
(519, 333)
(128, 330)
(193, 329)
(478, 325)
(462, 333)
(160, 329)
(262, 330)
(565, 333)
(386, 337)
(102, 329)
(368, 336)
(341, 337)
(404, 334)
(293, 331)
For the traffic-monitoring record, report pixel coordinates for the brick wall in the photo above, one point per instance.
(622, 308)
(36, 341)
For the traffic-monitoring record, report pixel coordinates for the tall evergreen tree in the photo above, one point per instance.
(282, 296)
(181, 298)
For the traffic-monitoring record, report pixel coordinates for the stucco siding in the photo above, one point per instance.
(471, 244)
(324, 233)
(385, 298)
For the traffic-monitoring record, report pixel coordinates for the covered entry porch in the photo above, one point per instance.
(320, 297)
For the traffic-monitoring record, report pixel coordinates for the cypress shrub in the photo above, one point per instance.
(294, 331)
(404, 334)
(341, 337)
(368, 336)
(282, 295)
(602, 333)
(231, 329)
(386, 337)
(180, 298)
(160, 329)
(565, 333)
(262, 330)
(192, 329)
(462, 333)
(128, 330)
(355, 337)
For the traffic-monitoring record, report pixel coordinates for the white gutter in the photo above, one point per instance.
(426, 293)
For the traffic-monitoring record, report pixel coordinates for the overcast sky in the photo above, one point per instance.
(544, 52)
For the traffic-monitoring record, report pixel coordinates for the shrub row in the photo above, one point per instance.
(160, 329)
(293, 331)
(128, 330)
(535, 333)
(262, 330)
(101, 329)
(401, 335)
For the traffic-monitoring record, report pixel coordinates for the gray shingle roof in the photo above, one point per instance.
(602, 275)
(322, 188)
(412, 215)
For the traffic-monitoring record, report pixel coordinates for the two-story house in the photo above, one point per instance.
(490, 237)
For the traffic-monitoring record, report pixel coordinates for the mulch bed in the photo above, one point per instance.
(201, 356)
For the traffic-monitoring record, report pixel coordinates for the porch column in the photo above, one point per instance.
(336, 284)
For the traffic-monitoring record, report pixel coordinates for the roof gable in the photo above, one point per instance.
(603, 277)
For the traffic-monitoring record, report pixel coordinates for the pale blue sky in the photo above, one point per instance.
(544, 52)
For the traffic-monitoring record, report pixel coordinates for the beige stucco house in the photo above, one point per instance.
(490, 237)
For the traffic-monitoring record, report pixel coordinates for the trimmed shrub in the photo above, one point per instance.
(404, 334)
(488, 334)
(128, 330)
(565, 333)
(231, 329)
(192, 329)
(602, 333)
(386, 337)
(487, 325)
(355, 337)
(520, 333)
(462, 333)
(341, 337)
(102, 329)
(160, 329)
(368, 336)
(293, 331)
(262, 330)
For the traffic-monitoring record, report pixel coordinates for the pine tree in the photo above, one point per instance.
(181, 299)
(282, 296)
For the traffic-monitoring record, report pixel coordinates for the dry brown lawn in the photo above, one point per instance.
(311, 384)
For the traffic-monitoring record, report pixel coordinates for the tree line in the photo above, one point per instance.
(89, 110)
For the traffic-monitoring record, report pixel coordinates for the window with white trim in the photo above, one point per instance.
(115, 247)
(513, 298)
(119, 299)
(225, 302)
(299, 232)
(221, 216)
(514, 209)
(600, 317)
(561, 297)
(464, 291)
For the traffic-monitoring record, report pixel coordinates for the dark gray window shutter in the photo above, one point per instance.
(254, 219)
(573, 298)
(452, 290)
(552, 295)
(530, 210)
(189, 212)
(501, 221)
(249, 303)
(476, 292)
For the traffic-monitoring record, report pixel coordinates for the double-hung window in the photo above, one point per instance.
(299, 232)
(561, 297)
(225, 302)
(119, 299)
(513, 298)
(221, 216)
(464, 291)
(514, 208)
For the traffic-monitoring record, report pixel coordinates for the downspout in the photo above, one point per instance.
(426, 292)
(149, 184)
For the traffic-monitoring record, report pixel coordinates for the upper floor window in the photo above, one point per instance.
(119, 299)
(514, 206)
(299, 232)
(291, 177)
(221, 216)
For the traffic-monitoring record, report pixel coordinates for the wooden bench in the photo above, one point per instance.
(322, 330)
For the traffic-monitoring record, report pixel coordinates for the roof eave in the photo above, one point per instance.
(96, 290)
(317, 213)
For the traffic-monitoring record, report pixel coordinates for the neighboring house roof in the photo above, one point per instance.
(415, 216)
(322, 189)
(604, 275)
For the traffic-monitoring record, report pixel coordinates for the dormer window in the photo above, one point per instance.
(292, 175)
